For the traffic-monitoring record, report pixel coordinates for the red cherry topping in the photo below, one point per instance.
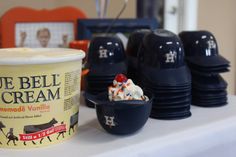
(121, 78)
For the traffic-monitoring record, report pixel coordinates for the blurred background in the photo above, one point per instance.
(216, 16)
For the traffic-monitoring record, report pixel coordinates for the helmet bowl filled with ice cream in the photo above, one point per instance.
(124, 109)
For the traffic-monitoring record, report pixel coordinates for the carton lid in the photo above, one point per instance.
(24, 56)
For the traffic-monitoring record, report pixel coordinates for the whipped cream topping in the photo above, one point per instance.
(125, 90)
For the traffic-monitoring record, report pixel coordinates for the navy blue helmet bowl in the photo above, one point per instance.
(214, 82)
(121, 117)
(161, 59)
(170, 115)
(166, 77)
(205, 63)
(162, 71)
(106, 57)
(105, 49)
(134, 42)
(201, 49)
(161, 49)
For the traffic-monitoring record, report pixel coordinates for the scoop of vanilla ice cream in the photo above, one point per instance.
(125, 91)
(132, 91)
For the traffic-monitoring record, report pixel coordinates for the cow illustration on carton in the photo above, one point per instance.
(29, 129)
(73, 121)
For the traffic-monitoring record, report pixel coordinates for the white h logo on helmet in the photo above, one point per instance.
(208, 52)
(102, 52)
(170, 57)
(110, 121)
(211, 45)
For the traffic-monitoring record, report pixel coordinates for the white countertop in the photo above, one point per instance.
(208, 132)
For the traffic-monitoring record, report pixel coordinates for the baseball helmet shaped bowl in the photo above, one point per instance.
(105, 50)
(121, 117)
(161, 49)
(161, 59)
(134, 41)
(106, 56)
(201, 49)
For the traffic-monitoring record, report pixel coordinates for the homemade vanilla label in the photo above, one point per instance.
(38, 103)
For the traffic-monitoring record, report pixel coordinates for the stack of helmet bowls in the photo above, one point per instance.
(106, 58)
(208, 87)
(134, 42)
(163, 72)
